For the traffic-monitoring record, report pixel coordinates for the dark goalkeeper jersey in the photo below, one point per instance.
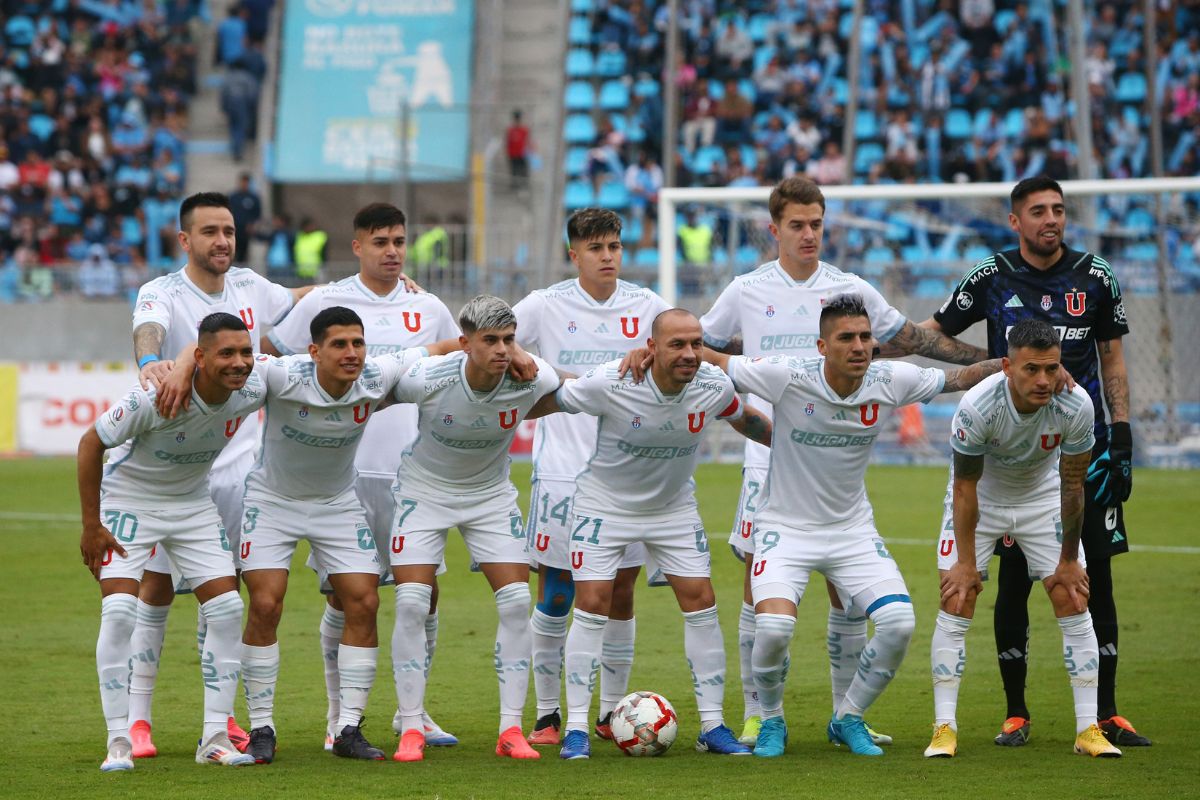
(1079, 296)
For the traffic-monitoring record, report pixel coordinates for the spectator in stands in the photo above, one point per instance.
(699, 117)
(735, 49)
(231, 34)
(733, 112)
(281, 247)
(604, 157)
(98, 276)
(246, 206)
(901, 150)
(830, 168)
(935, 84)
(644, 180)
(10, 175)
(769, 82)
(516, 145)
(646, 49)
(309, 250)
(239, 102)
(695, 245)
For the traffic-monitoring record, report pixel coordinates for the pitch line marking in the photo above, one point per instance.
(1136, 548)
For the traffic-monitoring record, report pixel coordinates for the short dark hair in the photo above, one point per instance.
(219, 321)
(1035, 333)
(327, 318)
(201, 200)
(794, 190)
(589, 224)
(843, 305)
(1039, 183)
(662, 316)
(376, 216)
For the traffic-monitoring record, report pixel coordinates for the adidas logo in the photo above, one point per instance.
(479, 422)
(334, 417)
(841, 415)
(208, 435)
(1014, 302)
(384, 322)
(667, 427)
(1117, 537)
(800, 312)
(1012, 654)
(601, 328)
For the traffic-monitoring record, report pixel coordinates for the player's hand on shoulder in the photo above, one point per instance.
(174, 393)
(1064, 381)
(94, 545)
(523, 367)
(410, 285)
(154, 373)
(636, 361)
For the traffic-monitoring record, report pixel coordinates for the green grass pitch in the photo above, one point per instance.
(56, 731)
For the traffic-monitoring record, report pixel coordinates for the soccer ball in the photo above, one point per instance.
(644, 724)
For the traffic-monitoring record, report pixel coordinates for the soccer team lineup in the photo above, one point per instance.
(371, 422)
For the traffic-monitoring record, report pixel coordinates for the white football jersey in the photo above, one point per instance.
(310, 438)
(822, 442)
(575, 332)
(464, 436)
(648, 443)
(175, 303)
(1020, 450)
(168, 460)
(391, 323)
(777, 316)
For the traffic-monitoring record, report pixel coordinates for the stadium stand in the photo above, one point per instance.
(949, 92)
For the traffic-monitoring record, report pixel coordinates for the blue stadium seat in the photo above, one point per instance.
(958, 123)
(580, 96)
(41, 126)
(1142, 251)
(646, 257)
(580, 63)
(583, 6)
(1003, 19)
(614, 95)
(1131, 87)
(1139, 221)
(706, 159)
(580, 129)
(749, 157)
(613, 195)
(1014, 123)
(880, 255)
(576, 161)
(748, 254)
(760, 24)
(578, 194)
(867, 154)
(610, 64)
(976, 253)
(632, 231)
(866, 125)
(580, 31)
(646, 87)
(931, 287)
(763, 55)
(635, 133)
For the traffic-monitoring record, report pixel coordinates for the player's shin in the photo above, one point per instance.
(584, 642)
(773, 634)
(408, 651)
(745, 654)
(704, 647)
(948, 657)
(356, 668)
(221, 660)
(146, 643)
(512, 651)
(880, 658)
(260, 673)
(549, 642)
(332, 623)
(118, 614)
(616, 662)
(846, 635)
(1082, 658)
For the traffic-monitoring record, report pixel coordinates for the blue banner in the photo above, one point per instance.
(349, 66)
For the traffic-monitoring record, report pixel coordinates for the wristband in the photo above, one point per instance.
(148, 359)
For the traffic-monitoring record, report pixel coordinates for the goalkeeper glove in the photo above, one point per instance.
(1110, 477)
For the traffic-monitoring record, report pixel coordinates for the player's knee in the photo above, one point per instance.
(895, 623)
(512, 602)
(265, 610)
(412, 605)
(156, 589)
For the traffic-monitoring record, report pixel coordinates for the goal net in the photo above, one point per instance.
(913, 242)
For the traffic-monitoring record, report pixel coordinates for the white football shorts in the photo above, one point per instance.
(1036, 527)
(336, 530)
(490, 524)
(190, 532)
(676, 547)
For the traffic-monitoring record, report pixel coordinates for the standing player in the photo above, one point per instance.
(637, 487)
(154, 495)
(1005, 481)
(774, 311)
(576, 325)
(455, 474)
(1078, 294)
(394, 319)
(165, 317)
(814, 514)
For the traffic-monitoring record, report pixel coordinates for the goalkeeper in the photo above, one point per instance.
(1078, 294)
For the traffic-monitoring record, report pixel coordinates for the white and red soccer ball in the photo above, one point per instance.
(644, 724)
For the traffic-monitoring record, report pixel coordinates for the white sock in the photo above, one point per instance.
(1081, 654)
(844, 643)
(880, 658)
(745, 656)
(408, 652)
(704, 646)
(584, 641)
(356, 666)
(431, 632)
(948, 654)
(616, 662)
(513, 650)
(146, 644)
(201, 630)
(772, 636)
(332, 624)
(549, 644)
(118, 616)
(260, 672)
(221, 659)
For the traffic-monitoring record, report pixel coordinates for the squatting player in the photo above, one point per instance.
(814, 514)
(394, 319)
(773, 311)
(576, 325)
(455, 474)
(1078, 294)
(154, 495)
(638, 488)
(1020, 454)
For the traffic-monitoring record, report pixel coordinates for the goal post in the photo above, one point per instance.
(913, 242)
